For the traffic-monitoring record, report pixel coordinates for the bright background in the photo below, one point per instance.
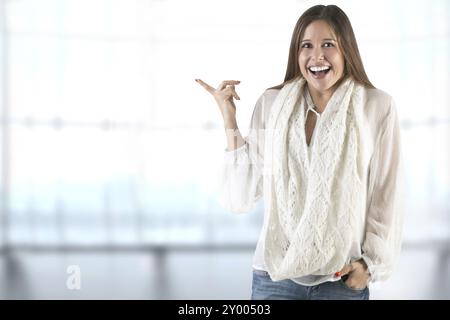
(110, 150)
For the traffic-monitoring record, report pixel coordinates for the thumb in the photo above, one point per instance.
(345, 270)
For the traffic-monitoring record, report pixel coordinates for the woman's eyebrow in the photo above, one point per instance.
(327, 39)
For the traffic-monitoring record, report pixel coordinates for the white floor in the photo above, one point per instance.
(422, 274)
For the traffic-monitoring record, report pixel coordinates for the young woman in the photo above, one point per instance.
(324, 152)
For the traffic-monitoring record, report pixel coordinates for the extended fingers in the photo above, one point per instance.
(206, 86)
(220, 87)
(227, 85)
(227, 82)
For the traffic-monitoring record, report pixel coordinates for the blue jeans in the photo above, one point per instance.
(263, 288)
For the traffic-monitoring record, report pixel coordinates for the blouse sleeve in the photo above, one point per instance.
(241, 180)
(384, 218)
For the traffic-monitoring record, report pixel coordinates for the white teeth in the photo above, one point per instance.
(316, 69)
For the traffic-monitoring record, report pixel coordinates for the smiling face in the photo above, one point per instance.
(320, 59)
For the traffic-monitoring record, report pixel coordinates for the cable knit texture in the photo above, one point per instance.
(313, 205)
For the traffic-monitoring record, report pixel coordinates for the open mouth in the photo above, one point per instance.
(319, 71)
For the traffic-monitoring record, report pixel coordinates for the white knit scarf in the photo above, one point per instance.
(312, 203)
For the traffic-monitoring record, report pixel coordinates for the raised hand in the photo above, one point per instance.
(224, 95)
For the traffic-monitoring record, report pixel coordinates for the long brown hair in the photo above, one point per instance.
(341, 26)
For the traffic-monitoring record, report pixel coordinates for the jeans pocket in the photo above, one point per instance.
(262, 273)
(342, 282)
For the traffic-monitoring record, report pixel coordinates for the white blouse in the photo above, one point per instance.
(241, 184)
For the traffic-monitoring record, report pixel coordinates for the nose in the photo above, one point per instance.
(318, 53)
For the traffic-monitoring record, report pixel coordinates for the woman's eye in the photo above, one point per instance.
(306, 45)
(328, 45)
